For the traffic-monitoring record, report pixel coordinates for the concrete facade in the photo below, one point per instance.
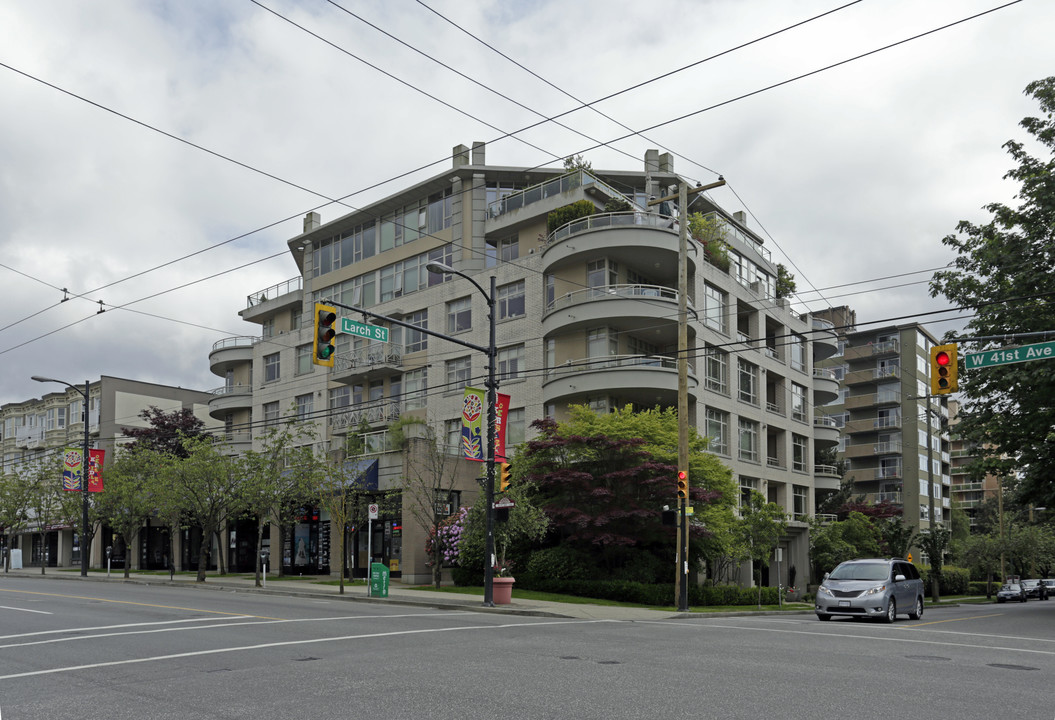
(586, 314)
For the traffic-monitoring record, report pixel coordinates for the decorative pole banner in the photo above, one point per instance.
(71, 470)
(472, 424)
(501, 415)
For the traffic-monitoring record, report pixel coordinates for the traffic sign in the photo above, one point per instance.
(504, 504)
(1007, 356)
(373, 510)
(364, 330)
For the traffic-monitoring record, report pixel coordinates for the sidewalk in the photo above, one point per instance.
(398, 594)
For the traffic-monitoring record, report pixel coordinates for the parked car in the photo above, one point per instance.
(1011, 591)
(1050, 585)
(875, 588)
(1032, 588)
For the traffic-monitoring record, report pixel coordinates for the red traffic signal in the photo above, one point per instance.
(683, 485)
(943, 369)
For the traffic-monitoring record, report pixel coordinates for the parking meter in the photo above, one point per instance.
(109, 551)
(265, 555)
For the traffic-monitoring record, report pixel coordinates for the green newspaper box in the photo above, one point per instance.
(378, 580)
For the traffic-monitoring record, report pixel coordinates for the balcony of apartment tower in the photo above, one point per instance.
(886, 348)
(881, 372)
(640, 379)
(825, 340)
(884, 396)
(284, 296)
(825, 386)
(362, 362)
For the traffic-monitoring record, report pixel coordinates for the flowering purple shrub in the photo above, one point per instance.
(449, 533)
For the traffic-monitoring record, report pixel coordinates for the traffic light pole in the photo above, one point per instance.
(681, 577)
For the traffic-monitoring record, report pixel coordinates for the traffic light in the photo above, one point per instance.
(683, 485)
(943, 369)
(325, 317)
(505, 477)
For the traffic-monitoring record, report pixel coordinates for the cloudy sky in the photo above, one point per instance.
(853, 174)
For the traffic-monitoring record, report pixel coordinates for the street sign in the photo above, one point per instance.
(373, 509)
(364, 330)
(1007, 356)
(504, 504)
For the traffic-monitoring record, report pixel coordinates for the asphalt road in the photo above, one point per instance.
(71, 649)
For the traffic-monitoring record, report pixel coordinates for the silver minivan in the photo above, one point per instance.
(874, 588)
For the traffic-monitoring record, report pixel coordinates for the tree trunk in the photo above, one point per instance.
(203, 552)
(221, 566)
(259, 550)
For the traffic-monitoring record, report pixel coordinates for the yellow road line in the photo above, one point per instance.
(129, 602)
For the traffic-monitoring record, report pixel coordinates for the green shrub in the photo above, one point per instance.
(556, 563)
(567, 213)
(953, 581)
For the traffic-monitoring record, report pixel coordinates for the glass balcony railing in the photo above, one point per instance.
(550, 188)
(603, 220)
(613, 291)
(612, 362)
(235, 342)
(295, 284)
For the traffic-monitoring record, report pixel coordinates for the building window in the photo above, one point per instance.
(748, 382)
(510, 362)
(714, 308)
(550, 290)
(748, 485)
(56, 418)
(798, 402)
(303, 354)
(271, 413)
(271, 367)
(416, 385)
(798, 353)
(600, 274)
(599, 343)
(716, 365)
(340, 397)
(305, 406)
(416, 340)
(459, 373)
(748, 440)
(440, 210)
(550, 353)
(511, 300)
(717, 431)
(800, 453)
(267, 328)
(459, 315)
(516, 428)
(800, 498)
(504, 250)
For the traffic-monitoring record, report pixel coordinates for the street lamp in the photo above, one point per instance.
(492, 400)
(85, 463)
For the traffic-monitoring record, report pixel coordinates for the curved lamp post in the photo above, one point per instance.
(492, 400)
(85, 462)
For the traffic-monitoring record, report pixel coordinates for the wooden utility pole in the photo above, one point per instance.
(681, 585)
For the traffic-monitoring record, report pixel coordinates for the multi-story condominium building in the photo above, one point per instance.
(35, 428)
(967, 491)
(888, 423)
(586, 312)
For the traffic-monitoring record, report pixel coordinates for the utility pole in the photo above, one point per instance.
(681, 584)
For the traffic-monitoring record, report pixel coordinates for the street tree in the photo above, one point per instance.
(762, 524)
(982, 553)
(49, 503)
(274, 480)
(1004, 272)
(167, 432)
(14, 510)
(205, 484)
(129, 496)
(897, 537)
(934, 542)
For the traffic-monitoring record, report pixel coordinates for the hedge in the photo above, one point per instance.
(953, 580)
(651, 594)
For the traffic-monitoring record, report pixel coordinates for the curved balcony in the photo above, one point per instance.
(626, 307)
(635, 239)
(825, 431)
(237, 443)
(825, 341)
(372, 362)
(825, 386)
(231, 352)
(641, 379)
(228, 399)
(826, 477)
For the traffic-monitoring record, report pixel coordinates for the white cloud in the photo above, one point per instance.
(856, 172)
